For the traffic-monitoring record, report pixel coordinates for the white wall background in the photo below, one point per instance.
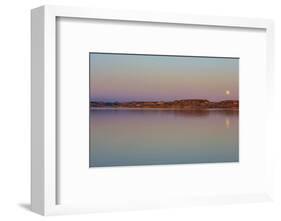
(15, 107)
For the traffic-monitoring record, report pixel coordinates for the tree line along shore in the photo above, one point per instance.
(185, 104)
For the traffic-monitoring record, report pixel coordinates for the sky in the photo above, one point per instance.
(129, 77)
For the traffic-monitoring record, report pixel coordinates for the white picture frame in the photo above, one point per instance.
(44, 91)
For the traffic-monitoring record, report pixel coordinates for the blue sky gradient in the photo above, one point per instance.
(128, 77)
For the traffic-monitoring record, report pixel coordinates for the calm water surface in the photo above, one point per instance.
(126, 137)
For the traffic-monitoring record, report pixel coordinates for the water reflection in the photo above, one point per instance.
(123, 137)
(227, 122)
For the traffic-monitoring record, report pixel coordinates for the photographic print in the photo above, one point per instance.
(163, 109)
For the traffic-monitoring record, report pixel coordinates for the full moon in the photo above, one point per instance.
(227, 92)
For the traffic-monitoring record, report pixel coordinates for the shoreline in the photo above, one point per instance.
(158, 108)
(186, 104)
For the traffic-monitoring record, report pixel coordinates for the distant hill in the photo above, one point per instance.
(177, 104)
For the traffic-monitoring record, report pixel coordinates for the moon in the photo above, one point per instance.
(227, 92)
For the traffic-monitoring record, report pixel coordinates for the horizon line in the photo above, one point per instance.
(162, 100)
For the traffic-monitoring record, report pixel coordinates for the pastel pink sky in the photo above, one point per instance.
(128, 77)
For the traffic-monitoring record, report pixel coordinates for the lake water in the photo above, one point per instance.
(127, 137)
